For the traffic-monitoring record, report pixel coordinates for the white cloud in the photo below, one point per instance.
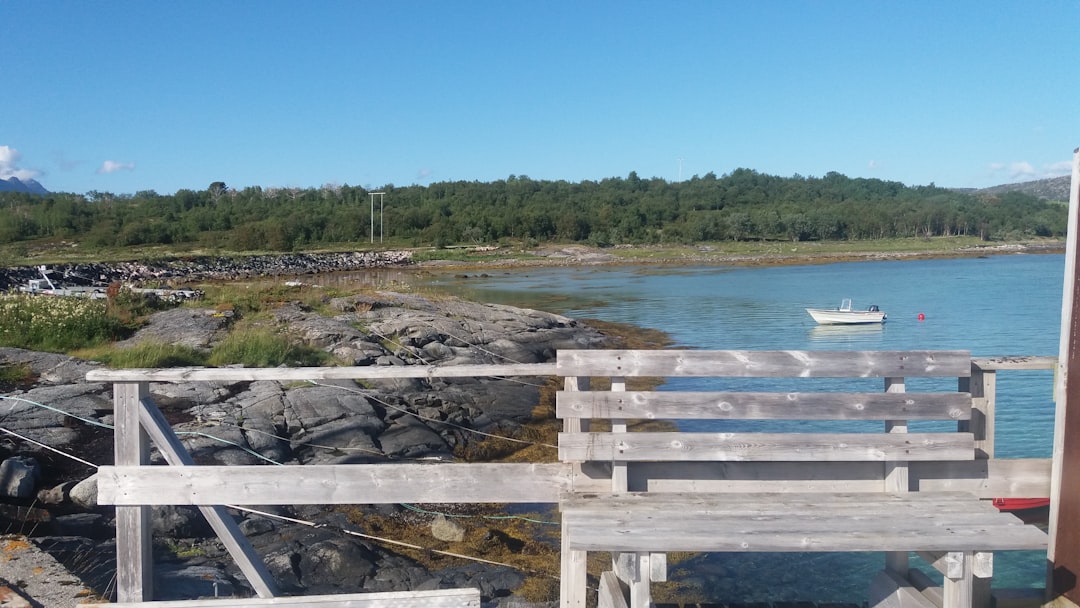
(112, 166)
(1063, 167)
(1025, 171)
(1021, 169)
(9, 165)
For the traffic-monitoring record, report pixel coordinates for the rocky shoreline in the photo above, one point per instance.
(184, 270)
(51, 499)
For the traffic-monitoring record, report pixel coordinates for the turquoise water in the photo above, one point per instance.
(1000, 305)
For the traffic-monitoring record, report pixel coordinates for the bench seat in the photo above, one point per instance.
(784, 451)
(769, 522)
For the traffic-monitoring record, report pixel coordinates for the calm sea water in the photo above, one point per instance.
(1000, 305)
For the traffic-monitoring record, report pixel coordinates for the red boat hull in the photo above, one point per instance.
(1020, 504)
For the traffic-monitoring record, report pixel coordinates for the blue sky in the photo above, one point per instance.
(122, 96)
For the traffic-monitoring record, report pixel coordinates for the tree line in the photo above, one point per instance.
(739, 206)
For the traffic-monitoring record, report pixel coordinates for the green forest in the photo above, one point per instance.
(744, 205)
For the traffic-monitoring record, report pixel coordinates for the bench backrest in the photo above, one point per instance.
(750, 459)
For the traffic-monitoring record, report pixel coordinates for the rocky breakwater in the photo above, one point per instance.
(52, 497)
(202, 268)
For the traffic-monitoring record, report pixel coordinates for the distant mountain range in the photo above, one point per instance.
(14, 184)
(1051, 189)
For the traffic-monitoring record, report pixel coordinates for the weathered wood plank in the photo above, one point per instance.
(743, 363)
(754, 517)
(822, 447)
(794, 522)
(333, 484)
(1009, 478)
(1016, 362)
(573, 573)
(442, 598)
(292, 374)
(765, 541)
(707, 498)
(897, 477)
(809, 504)
(728, 405)
(746, 477)
(926, 586)
(958, 586)
(134, 557)
(745, 534)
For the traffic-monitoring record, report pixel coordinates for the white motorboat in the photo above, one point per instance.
(846, 315)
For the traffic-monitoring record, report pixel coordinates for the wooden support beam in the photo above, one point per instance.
(611, 593)
(926, 586)
(887, 590)
(634, 569)
(228, 532)
(942, 561)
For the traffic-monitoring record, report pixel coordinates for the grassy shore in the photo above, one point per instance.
(731, 253)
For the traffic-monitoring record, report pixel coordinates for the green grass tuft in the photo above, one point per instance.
(260, 347)
(148, 355)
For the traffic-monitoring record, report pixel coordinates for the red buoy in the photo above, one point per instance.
(922, 317)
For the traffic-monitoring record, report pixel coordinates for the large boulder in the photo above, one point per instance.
(196, 328)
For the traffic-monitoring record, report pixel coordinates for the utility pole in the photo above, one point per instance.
(380, 194)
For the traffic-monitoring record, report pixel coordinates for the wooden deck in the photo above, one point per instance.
(704, 471)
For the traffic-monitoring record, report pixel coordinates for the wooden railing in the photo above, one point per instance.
(134, 487)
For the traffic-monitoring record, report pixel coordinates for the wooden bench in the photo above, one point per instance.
(841, 482)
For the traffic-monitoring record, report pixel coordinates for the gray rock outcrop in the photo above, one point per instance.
(263, 422)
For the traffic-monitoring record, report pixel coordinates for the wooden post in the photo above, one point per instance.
(619, 473)
(1064, 550)
(134, 559)
(573, 579)
(897, 479)
(983, 388)
(958, 584)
